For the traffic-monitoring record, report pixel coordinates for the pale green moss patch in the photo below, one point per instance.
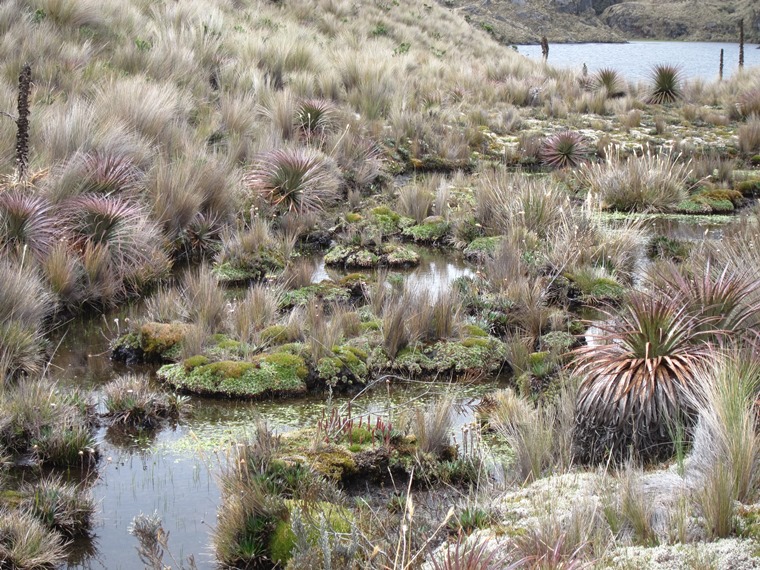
(276, 374)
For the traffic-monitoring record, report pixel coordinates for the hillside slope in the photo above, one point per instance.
(526, 21)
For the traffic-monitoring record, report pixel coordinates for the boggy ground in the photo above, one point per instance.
(176, 150)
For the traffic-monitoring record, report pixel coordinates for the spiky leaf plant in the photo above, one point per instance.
(728, 298)
(636, 376)
(27, 223)
(609, 80)
(566, 148)
(666, 84)
(118, 225)
(108, 173)
(298, 180)
(314, 116)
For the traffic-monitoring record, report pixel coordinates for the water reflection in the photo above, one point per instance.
(435, 272)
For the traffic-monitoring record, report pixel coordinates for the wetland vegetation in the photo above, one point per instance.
(175, 175)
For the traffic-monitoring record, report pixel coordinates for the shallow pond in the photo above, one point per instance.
(173, 471)
(634, 60)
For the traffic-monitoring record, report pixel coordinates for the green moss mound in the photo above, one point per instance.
(152, 342)
(474, 355)
(431, 231)
(275, 374)
(253, 266)
(391, 255)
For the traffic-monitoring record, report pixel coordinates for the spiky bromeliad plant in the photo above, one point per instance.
(666, 84)
(26, 223)
(296, 179)
(566, 148)
(609, 80)
(636, 378)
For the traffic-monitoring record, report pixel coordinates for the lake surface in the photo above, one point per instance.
(698, 60)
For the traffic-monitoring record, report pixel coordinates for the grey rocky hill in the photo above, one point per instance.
(526, 21)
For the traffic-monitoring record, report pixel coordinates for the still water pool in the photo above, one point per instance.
(634, 60)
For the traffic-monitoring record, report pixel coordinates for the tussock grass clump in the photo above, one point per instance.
(651, 182)
(748, 103)
(396, 334)
(257, 310)
(40, 419)
(504, 201)
(64, 507)
(432, 426)
(416, 200)
(26, 544)
(259, 493)
(557, 543)
(206, 304)
(726, 449)
(322, 333)
(25, 303)
(166, 305)
(749, 135)
(132, 402)
(431, 318)
(539, 436)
